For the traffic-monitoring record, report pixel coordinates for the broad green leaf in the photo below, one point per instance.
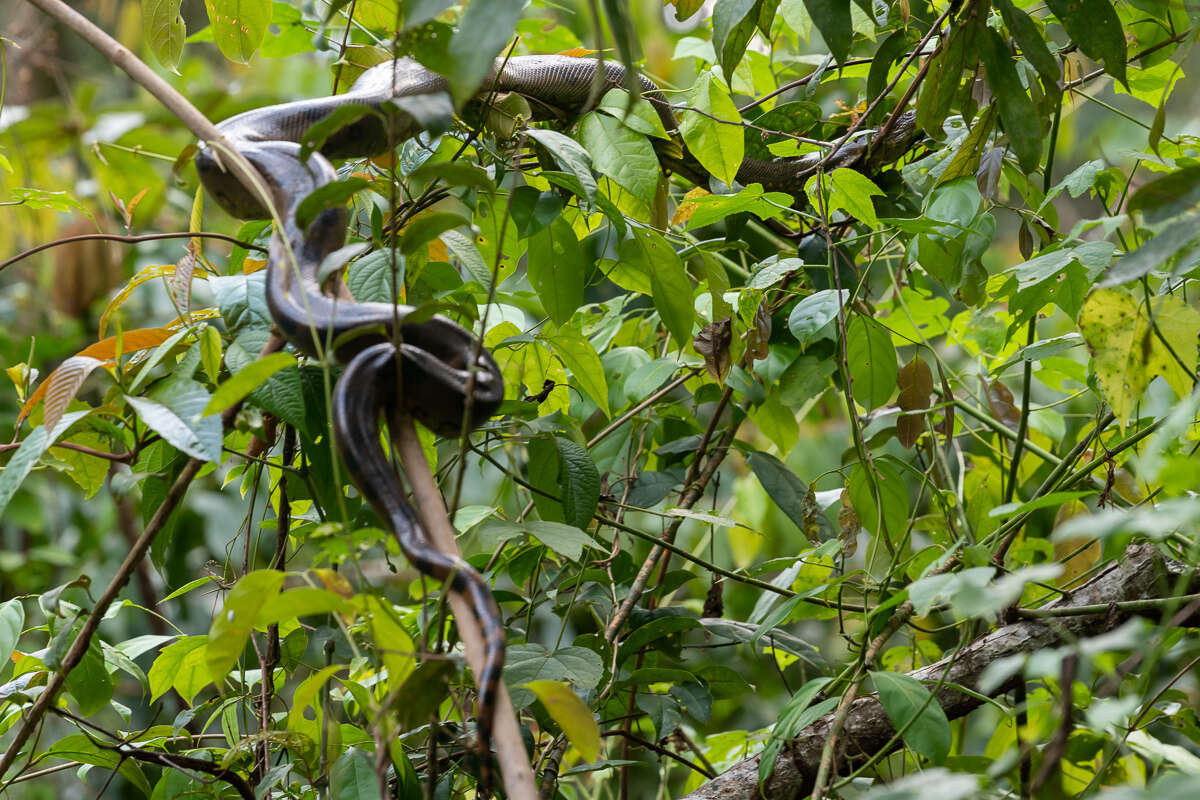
(302, 601)
(1154, 254)
(701, 209)
(557, 269)
(872, 361)
(893, 497)
(426, 227)
(246, 381)
(579, 481)
(1033, 44)
(29, 453)
(570, 155)
(332, 195)
(792, 719)
(353, 776)
(847, 190)
(89, 682)
(832, 18)
(231, 627)
(175, 411)
(640, 115)
(669, 281)
(238, 26)
(908, 703)
(375, 277)
(81, 749)
(180, 665)
(622, 154)
(529, 662)
(1126, 353)
(571, 714)
(164, 31)
(810, 316)
(787, 119)
(716, 143)
(395, 646)
(733, 24)
(782, 485)
(482, 33)
(12, 622)
(1020, 118)
(1165, 197)
(569, 541)
(959, 52)
(580, 357)
(1095, 27)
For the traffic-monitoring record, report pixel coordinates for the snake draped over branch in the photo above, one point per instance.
(442, 376)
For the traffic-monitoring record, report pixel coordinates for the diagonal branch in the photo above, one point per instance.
(1136, 576)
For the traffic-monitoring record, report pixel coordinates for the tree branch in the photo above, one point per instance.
(1134, 577)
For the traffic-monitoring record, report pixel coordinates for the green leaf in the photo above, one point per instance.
(872, 361)
(669, 282)
(571, 714)
(718, 144)
(1033, 44)
(29, 453)
(945, 73)
(908, 703)
(353, 776)
(427, 227)
(733, 24)
(1165, 197)
(175, 411)
(792, 719)
(89, 683)
(622, 154)
(847, 190)
(579, 482)
(893, 497)
(12, 622)
(238, 26)
(580, 357)
(164, 31)
(230, 629)
(569, 541)
(1020, 118)
(395, 646)
(1152, 255)
(810, 316)
(1126, 353)
(302, 601)
(782, 485)
(793, 119)
(557, 268)
(832, 18)
(375, 277)
(331, 195)
(570, 155)
(81, 749)
(319, 132)
(1095, 27)
(179, 665)
(715, 207)
(246, 381)
(530, 662)
(638, 114)
(485, 29)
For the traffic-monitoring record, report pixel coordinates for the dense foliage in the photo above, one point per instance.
(761, 453)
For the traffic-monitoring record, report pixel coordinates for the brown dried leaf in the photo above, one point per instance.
(758, 338)
(1002, 404)
(713, 342)
(179, 281)
(848, 526)
(64, 383)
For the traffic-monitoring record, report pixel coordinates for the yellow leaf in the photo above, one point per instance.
(395, 646)
(571, 714)
(145, 274)
(688, 206)
(578, 52)
(103, 350)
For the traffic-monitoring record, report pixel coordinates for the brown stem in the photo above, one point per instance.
(116, 237)
(510, 748)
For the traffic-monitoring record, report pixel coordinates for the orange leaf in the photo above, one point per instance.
(103, 350)
(578, 52)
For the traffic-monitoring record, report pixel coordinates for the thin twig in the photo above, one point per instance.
(116, 237)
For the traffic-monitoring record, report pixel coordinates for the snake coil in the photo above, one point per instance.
(444, 379)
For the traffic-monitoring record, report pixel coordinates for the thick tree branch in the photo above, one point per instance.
(1138, 575)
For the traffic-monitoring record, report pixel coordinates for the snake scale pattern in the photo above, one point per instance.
(445, 379)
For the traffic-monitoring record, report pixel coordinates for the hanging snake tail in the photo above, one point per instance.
(356, 424)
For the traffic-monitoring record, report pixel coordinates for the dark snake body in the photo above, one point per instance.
(446, 381)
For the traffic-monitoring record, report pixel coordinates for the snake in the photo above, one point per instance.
(433, 370)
